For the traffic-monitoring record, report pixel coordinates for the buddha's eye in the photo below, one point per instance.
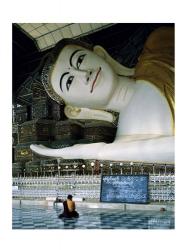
(79, 60)
(69, 81)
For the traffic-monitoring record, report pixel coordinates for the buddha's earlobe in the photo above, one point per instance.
(72, 112)
(87, 114)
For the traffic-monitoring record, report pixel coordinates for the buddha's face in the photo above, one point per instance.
(83, 78)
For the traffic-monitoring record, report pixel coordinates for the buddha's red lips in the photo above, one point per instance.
(95, 80)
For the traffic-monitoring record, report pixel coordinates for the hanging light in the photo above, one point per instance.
(165, 168)
(101, 165)
(131, 164)
(121, 164)
(111, 164)
(92, 164)
(66, 166)
(154, 169)
(83, 166)
(75, 166)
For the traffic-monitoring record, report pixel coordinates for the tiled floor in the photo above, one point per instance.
(43, 217)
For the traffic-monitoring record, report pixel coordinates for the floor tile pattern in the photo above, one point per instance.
(43, 217)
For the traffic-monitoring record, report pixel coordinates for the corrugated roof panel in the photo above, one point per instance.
(66, 32)
(57, 35)
(35, 33)
(75, 28)
(43, 30)
(85, 27)
(23, 25)
(96, 25)
(36, 25)
(61, 25)
(28, 27)
(51, 26)
(49, 39)
(41, 43)
(47, 35)
(104, 24)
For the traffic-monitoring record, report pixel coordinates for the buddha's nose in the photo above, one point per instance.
(88, 75)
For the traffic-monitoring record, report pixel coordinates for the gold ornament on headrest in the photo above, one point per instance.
(45, 78)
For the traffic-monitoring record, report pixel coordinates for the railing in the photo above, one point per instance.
(161, 187)
(42, 187)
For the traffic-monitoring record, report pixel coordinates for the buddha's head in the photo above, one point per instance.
(79, 75)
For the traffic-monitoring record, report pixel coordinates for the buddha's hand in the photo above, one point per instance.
(78, 151)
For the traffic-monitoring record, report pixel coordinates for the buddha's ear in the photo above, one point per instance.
(117, 67)
(72, 112)
(100, 51)
(86, 114)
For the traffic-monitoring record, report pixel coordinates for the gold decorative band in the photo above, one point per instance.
(45, 78)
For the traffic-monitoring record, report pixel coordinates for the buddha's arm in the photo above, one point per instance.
(157, 149)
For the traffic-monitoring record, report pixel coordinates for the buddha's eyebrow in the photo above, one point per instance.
(62, 78)
(71, 57)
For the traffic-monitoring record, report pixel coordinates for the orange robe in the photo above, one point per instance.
(156, 63)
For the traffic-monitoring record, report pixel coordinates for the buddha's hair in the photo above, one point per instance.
(49, 62)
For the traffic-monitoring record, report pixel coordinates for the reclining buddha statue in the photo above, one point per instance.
(90, 82)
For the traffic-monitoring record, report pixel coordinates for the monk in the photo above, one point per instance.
(69, 208)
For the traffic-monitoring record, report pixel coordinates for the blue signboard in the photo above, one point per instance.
(124, 188)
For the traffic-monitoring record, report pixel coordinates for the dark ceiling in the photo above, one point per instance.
(123, 41)
(26, 57)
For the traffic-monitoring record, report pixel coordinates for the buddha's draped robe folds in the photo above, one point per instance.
(156, 63)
